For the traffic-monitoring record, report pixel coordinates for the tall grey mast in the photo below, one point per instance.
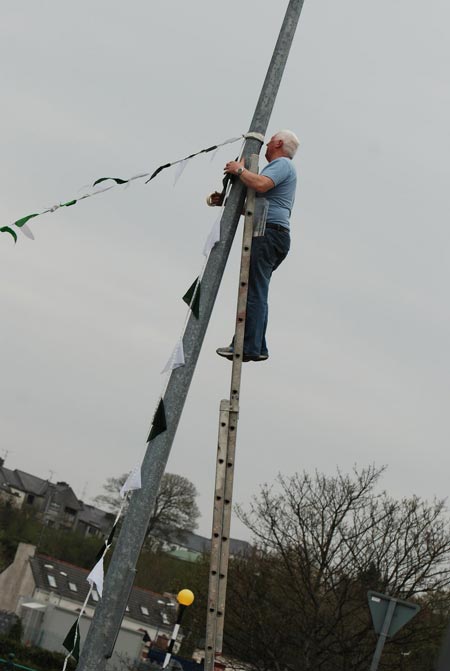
(109, 612)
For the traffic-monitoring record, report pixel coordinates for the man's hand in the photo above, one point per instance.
(232, 167)
(215, 199)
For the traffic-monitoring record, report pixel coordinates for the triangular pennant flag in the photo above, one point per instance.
(132, 482)
(26, 230)
(72, 641)
(96, 576)
(176, 358)
(106, 543)
(159, 424)
(157, 171)
(101, 552)
(192, 297)
(69, 203)
(21, 222)
(111, 535)
(7, 229)
(117, 180)
(179, 171)
(213, 237)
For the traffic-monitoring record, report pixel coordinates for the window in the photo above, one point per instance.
(30, 499)
(144, 610)
(51, 580)
(94, 595)
(73, 587)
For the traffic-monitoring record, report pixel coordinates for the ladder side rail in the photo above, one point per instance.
(226, 454)
(234, 403)
(243, 291)
(219, 495)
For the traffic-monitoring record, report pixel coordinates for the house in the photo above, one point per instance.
(55, 504)
(47, 594)
(189, 546)
(92, 521)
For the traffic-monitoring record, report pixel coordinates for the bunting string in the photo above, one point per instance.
(159, 422)
(72, 641)
(95, 579)
(118, 181)
(192, 296)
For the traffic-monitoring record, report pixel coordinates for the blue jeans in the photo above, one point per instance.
(268, 251)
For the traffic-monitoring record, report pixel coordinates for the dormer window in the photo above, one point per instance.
(51, 580)
(73, 587)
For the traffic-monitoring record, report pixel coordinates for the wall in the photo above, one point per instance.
(58, 621)
(17, 580)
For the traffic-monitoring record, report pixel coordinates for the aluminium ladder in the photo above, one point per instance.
(228, 419)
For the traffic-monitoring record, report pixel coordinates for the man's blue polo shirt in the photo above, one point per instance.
(281, 198)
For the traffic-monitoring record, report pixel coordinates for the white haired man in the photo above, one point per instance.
(276, 183)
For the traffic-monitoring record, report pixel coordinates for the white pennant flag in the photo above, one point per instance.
(179, 171)
(176, 358)
(96, 576)
(27, 231)
(132, 482)
(213, 237)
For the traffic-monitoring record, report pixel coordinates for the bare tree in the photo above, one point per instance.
(322, 542)
(175, 506)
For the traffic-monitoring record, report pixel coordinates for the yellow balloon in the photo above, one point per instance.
(185, 597)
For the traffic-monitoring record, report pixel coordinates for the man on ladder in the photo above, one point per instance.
(275, 190)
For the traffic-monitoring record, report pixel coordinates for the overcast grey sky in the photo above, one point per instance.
(90, 311)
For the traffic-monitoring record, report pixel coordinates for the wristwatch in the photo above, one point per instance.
(239, 171)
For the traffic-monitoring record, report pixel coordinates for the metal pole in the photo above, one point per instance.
(383, 635)
(119, 579)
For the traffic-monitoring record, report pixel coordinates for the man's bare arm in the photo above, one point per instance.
(259, 183)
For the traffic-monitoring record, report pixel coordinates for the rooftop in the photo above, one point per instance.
(69, 582)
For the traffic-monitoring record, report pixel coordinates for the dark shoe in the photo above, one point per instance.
(226, 352)
(257, 357)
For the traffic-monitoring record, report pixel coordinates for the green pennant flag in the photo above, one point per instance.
(117, 180)
(7, 229)
(159, 424)
(106, 543)
(69, 203)
(72, 641)
(194, 303)
(21, 222)
(157, 171)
